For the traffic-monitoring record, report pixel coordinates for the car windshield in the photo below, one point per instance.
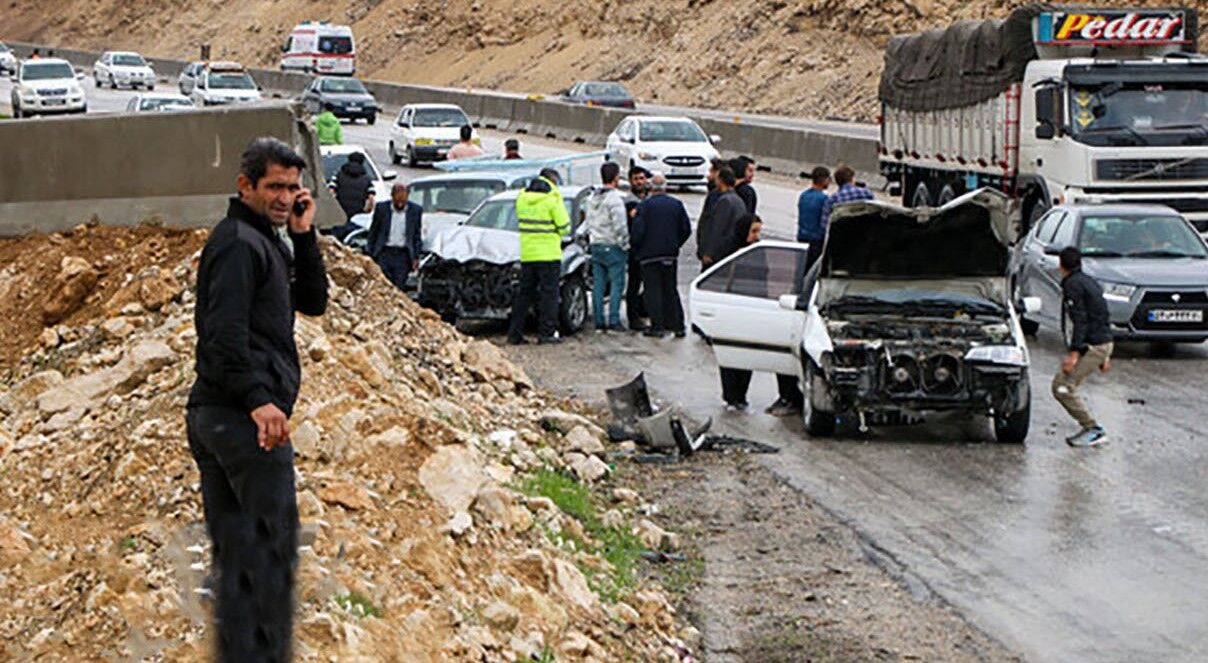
(220, 81)
(912, 301)
(460, 197)
(1156, 113)
(46, 72)
(130, 60)
(604, 90)
(500, 215)
(333, 162)
(440, 117)
(335, 45)
(342, 86)
(166, 102)
(1139, 236)
(671, 131)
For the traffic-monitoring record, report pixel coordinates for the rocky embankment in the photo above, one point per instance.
(451, 511)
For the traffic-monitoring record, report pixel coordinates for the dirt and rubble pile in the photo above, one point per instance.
(816, 58)
(412, 443)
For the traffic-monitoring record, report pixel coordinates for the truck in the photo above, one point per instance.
(1052, 105)
(320, 48)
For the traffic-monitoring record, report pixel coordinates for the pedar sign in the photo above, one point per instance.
(1112, 27)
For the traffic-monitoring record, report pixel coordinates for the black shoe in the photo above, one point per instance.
(549, 340)
(517, 341)
(783, 408)
(617, 327)
(637, 327)
(654, 333)
(681, 334)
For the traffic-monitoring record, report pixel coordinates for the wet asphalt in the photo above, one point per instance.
(1062, 554)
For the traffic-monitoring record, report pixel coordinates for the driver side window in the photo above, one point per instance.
(765, 273)
(1063, 236)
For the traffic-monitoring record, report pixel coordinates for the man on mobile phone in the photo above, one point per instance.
(260, 264)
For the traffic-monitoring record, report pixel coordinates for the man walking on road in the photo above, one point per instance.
(608, 228)
(810, 227)
(1090, 347)
(847, 192)
(635, 303)
(465, 148)
(659, 231)
(395, 235)
(260, 264)
(327, 127)
(543, 221)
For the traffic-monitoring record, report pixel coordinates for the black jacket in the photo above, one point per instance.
(353, 186)
(749, 198)
(1082, 301)
(248, 287)
(728, 225)
(660, 228)
(379, 230)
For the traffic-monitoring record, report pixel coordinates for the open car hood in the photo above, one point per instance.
(968, 237)
(466, 243)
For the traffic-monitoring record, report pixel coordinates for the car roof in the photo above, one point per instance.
(226, 65)
(662, 118)
(568, 191)
(433, 106)
(123, 53)
(1085, 209)
(501, 175)
(165, 95)
(344, 149)
(45, 61)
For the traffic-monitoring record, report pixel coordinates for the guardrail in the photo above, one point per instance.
(791, 151)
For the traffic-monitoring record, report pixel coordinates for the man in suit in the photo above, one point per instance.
(394, 235)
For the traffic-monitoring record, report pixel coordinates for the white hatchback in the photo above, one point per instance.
(425, 132)
(120, 68)
(674, 146)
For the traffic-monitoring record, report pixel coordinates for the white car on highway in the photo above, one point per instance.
(8, 61)
(222, 83)
(159, 103)
(123, 68)
(425, 132)
(674, 146)
(44, 86)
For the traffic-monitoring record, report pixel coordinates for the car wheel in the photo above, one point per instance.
(412, 162)
(112, 82)
(97, 80)
(17, 111)
(818, 423)
(394, 157)
(371, 120)
(572, 306)
(1013, 428)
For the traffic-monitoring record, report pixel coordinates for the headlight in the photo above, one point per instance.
(648, 156)
(28, 91)
(423, 141)
(1006, 355)
(1118, 292)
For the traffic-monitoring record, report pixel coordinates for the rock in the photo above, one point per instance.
(576, 645)
(565, 422)
(24, 393)
(501, 616)
(49, 338)
(449, 412)
(309, 506)
(487, 362)
(624, 613)
(613, 519)
(626, 496)
(306, 440)
(653, 608)
(117, 328)
(568, 581)
(76, 279)
(452, 476)
(368, 367)
(319, 349)
(459, 524)
(149, 291)
(580, 439)
(654, 537)
(347, 495)
(83, 391)
(691, 636)
(591, 469)
(495, 505)
(13, 547)
(430, 382)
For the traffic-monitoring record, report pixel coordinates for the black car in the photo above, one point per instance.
(348, 97)
(599, 93)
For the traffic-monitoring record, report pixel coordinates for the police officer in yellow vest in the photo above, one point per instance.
(543, 222)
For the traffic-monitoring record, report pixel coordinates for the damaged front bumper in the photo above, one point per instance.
(474, 290)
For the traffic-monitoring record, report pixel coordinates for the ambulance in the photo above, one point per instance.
(319, 48)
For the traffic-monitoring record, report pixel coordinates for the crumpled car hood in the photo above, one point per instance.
(466, 243)
(969, 237)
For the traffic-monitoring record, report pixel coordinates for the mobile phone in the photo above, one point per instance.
(300, 207)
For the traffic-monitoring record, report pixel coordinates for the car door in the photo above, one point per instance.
(1049, 268)
(735, 306)
(1029, 273)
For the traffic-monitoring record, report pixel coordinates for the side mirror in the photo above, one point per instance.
(1045, 131)
(714, 138)
(259, 88)
(788, 302)
(1031, 304)
(79, 75)
(1052, 250)
(390, 175)
(632, 140)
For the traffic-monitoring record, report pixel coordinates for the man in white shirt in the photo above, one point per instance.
(394, 235)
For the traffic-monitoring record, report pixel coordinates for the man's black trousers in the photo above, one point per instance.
(635, 306)
(538, 284)
(662, 295)
(252, 518)
(396, 264)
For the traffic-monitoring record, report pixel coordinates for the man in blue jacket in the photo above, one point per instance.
(810, 225)
(659, 230)
(394, 235)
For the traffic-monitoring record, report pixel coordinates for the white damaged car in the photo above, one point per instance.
(907, 313)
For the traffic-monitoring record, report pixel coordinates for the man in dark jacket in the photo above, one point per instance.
(395, 235)
(711, 196)
(729, 222)
(659, 230)
(744, 172)
(635, 302)
(260, 264)
(1090, 347)
(354, 186)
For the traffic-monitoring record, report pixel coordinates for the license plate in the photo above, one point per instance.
(55, 102)
(1163, 315)
(683, 171)
(353, 107)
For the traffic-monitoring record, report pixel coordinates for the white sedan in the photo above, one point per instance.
(674, 146)
(119, 68)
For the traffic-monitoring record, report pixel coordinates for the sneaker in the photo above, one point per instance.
(740, 406)
(1090, 437)
(783, 408)
(549, 340)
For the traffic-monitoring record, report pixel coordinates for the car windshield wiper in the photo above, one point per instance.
(1101, 253)
(1163, 253)
(1132, 133)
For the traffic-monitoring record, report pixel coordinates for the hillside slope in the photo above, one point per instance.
(816, 58)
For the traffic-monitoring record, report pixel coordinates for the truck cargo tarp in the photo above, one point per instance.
(964, 64)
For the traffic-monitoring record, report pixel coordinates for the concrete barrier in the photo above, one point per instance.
(73, 170)
(786, 150)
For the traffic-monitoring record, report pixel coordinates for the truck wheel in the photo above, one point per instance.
(572, 306)
(921, 197)
(818, 423)
(1013, 428)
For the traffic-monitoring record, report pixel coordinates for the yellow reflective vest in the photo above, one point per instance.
(543, 221)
